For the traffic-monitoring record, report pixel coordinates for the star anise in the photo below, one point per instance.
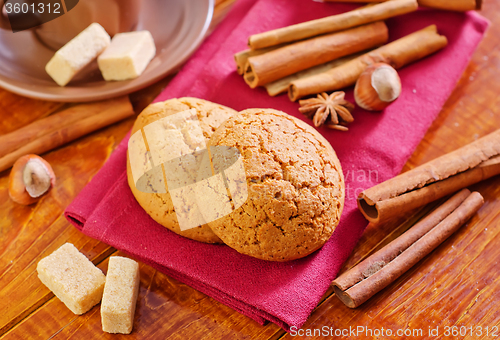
(326, 106)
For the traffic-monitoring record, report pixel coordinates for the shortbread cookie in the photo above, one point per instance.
(159, 205)
(295, 186)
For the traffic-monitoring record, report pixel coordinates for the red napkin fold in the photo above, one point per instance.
(375, 149)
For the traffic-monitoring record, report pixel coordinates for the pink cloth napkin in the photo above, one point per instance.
(375, 149)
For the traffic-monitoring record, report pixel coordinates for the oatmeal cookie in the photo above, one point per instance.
(295, 186)
(159, 205)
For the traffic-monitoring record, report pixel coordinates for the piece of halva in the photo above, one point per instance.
(77, 53)
(127, 56)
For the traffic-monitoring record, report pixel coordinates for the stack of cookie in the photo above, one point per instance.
(294, 181)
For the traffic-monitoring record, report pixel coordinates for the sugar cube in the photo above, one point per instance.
(120, 295)
(72, 278)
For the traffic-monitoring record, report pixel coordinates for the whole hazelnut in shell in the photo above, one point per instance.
(377, 87)
(30, 178)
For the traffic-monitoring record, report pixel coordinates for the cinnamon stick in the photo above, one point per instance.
(379, 270)
(68, 126)
(398, 53)
(274, 65)
(332, 23)
(281, 85)
(358, 1)
(11, 141)
(440, 177)
(241, 58)
(450, 5)
(385, 255)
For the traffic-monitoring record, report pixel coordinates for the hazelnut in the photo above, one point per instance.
(377, 87)
(30, 178)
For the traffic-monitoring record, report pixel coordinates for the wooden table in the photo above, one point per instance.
(457, 285)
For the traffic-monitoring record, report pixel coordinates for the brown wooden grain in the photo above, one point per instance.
(456, 285)
(17, 111)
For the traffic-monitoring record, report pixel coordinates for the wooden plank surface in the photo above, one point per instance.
(456, 285)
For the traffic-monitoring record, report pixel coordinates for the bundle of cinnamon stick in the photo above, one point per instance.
(60, 128)
(277, 58)
(433, 180)
(281, 62)
(382, 268)
(326, 54)
(426, 183)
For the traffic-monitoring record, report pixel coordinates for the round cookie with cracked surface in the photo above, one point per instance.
(295, 186)
(159, 205)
